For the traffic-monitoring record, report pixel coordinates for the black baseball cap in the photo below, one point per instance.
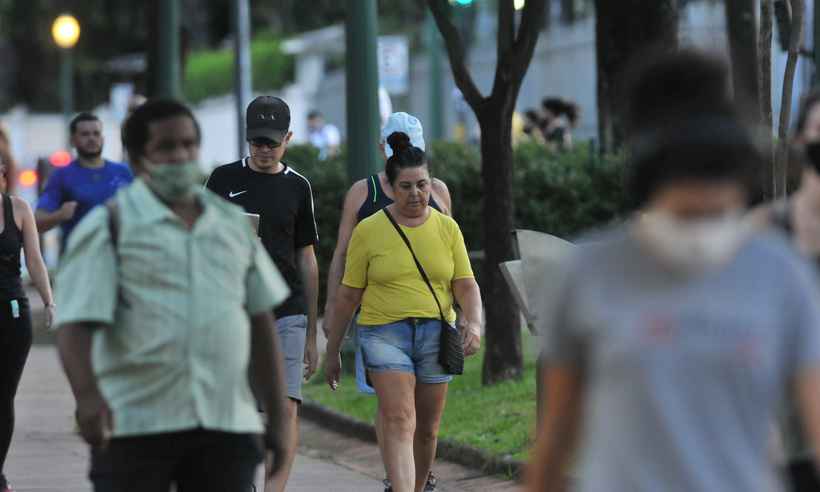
(267, 117)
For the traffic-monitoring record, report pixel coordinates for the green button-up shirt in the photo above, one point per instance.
(176, 305)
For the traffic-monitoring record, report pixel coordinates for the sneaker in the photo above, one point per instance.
(387, 486)
(432, 481)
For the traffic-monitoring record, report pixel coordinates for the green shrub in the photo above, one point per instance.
(211, 73)
(558, 193)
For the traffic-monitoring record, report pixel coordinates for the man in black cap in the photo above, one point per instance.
(282, 198)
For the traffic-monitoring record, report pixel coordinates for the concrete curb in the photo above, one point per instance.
(448, 449)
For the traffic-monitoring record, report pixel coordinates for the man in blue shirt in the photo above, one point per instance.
(71, 192)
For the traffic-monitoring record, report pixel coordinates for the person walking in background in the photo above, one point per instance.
(177, 297)
(363, 199)
(7, 158)
(19, 233)
(264, 185)
(323, 135)
(71, 192)
(559, 119)
(799, 218)
(677, 336)
(401, 319)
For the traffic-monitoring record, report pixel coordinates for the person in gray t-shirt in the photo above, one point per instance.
(677, 336)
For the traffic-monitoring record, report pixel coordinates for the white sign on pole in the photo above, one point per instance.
(394, 64)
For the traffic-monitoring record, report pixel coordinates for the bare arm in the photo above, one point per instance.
(468, 296)
(442, 194)
(559, 429)
(808, 400)
(267, 375)
(93, 415)
(353, 201)
(34, 258)
(309, 270)
(47, 221)
(347, 300)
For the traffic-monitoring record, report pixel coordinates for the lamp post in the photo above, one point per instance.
(66, 32)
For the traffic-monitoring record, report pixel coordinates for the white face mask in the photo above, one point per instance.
(693, 246)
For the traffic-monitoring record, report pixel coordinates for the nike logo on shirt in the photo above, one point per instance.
(231, 194)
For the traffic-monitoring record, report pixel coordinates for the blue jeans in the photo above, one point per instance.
(410, 345)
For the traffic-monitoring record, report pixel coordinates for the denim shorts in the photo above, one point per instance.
(410, 345)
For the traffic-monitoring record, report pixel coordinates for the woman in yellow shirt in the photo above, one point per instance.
(399, 317)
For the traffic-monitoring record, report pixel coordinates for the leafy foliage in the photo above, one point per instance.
(558, 193)
(210, 73)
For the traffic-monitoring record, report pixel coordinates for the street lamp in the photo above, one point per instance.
(66, 32)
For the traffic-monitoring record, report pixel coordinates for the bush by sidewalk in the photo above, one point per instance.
(498, 419)
(558, 193)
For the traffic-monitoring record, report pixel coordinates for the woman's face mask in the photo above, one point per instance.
(693, 245)
(174, 183)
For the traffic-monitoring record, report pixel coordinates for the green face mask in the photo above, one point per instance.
(174, 182)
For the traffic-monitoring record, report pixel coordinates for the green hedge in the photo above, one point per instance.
(559, 193)
(211, 73)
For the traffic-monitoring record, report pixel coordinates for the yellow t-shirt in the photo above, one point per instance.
(379, 262)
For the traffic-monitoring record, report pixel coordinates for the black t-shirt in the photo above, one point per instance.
(284, 202)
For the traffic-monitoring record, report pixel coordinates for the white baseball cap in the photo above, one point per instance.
(403, 123)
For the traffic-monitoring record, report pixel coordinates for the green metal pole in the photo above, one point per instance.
(362, 83)
(168, 68)
(67, 84)
(436, 124)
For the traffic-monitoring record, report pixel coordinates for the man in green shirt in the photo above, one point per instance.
(166, 298)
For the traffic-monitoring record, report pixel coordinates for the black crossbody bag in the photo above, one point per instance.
(451, 345)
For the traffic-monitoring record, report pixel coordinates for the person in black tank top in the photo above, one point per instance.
(15, 316)
(377, 199)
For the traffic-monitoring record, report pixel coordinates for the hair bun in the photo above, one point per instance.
(399, 142)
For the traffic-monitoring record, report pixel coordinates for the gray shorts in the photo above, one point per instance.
(292, 334)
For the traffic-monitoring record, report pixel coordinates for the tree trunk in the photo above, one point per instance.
(765, 87)
(742, 29)
(503, 358)
(782, 158)
(567, 11)
(624, 30)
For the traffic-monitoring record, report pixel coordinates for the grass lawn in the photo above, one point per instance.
(499, 419)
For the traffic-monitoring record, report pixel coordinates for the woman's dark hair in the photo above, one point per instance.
(682, 125)
(404, 156)
(135, 131)
(559, 107)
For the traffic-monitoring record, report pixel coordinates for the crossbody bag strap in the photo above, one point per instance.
(113, 221)
(418, 265)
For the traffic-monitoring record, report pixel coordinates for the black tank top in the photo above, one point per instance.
(377, 200)
(11, 242)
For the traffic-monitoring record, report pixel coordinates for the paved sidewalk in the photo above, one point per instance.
(46, 456)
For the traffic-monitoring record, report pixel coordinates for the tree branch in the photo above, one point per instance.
(506, 28)
(528, 31)
(797, 8)
(512, 63)
(455, 50)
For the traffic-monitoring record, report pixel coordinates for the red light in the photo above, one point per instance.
(61, 158)
(28, 178)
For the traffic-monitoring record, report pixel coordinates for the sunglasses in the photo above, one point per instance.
(265, 142)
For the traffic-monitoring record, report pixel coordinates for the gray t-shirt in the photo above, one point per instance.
(683, 375)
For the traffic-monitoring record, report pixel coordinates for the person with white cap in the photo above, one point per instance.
(365, 198)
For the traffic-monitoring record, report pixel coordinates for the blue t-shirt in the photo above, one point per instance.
(88, 187)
